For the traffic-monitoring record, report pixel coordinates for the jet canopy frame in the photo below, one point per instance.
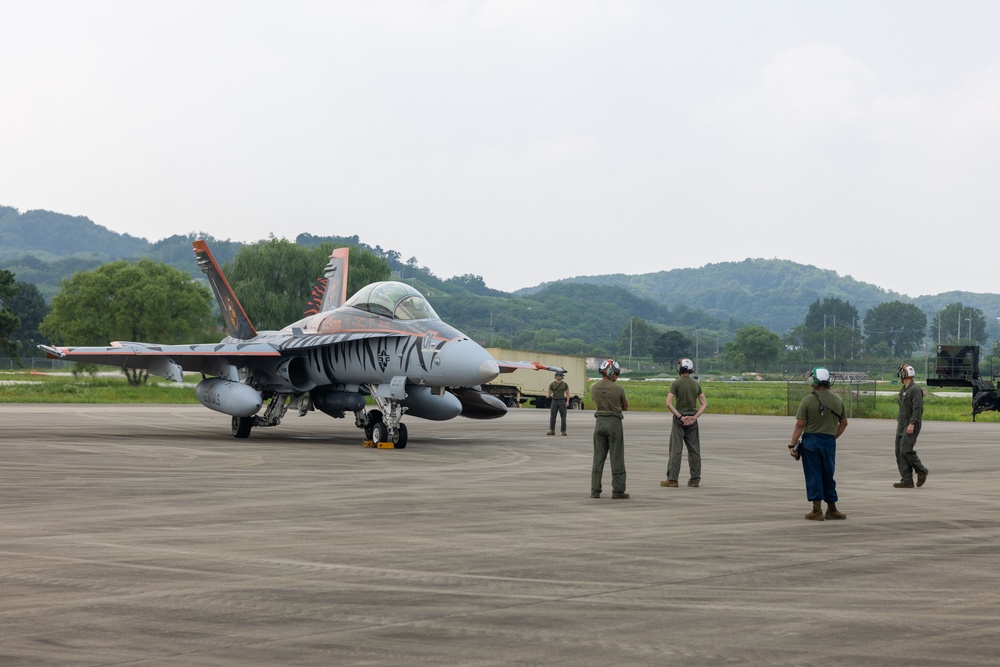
(392, 299)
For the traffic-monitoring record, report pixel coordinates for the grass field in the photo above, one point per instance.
(744, 398)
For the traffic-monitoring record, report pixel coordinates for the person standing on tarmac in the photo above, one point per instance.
(911, 412)
(609, 437)
(690, 403)
(819, 422)
(558, 395)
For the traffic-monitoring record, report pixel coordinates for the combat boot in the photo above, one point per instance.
(922, 477)
(669, 482)
(551, 433)
(833, 513)
(817, 512)
(902, 485)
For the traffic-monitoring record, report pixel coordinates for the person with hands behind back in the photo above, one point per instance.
(686, 402)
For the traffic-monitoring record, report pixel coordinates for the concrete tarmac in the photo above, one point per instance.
(138, 535)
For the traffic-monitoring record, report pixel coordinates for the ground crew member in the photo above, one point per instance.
(609, 438)
(558, 395)
(911, 412)
(690, 403)
(819, 422)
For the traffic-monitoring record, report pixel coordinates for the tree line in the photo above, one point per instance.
(152, 301)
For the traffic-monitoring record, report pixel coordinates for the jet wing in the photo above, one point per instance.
(511, 366)
(165, 360)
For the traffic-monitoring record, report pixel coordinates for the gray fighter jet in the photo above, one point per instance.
(385, 342)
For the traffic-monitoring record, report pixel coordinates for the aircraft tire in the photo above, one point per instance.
(242, 426)
(378, 432)
(374, 417)
(401, 437)
(575, 404)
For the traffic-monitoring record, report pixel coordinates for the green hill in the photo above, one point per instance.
(576, 314)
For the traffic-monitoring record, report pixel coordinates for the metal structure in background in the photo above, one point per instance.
(958, 366)
(855, 389)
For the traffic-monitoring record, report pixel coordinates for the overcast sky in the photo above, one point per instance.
(523, 140)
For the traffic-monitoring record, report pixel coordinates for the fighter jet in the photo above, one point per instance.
(385, 342)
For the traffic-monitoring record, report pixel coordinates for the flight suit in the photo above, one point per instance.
(911, 411)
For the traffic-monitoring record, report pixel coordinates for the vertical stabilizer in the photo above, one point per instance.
(330, 291)
(237, 323)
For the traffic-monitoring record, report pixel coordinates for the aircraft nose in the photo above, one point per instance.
(488, 370)
(464, 363)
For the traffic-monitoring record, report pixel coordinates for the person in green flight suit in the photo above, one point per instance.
(911, 413)
(609, 437)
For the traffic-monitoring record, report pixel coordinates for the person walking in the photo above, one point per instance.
(558, 395)
(819, 422)
(686, 401)
(911, 413)
(609, 437)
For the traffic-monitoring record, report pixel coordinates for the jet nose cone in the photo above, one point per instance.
(488, 370)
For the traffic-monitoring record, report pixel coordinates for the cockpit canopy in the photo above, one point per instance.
(391, 299)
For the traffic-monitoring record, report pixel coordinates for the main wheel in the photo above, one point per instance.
(374, 417)
(242, 426)
(575, 404)
(400, 442)
(379, 431)
(511, 402)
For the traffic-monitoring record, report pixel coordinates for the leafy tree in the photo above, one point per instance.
(272, 278)
(29, 305)
(957, 324)
(670, 346)
(473, 284)
(990, 363)
(141, 301)
(9, 321)
(831, 329)
(900, 326)
(637, 338)
(754, 347)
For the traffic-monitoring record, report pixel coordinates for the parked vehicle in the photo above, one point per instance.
(528, 387)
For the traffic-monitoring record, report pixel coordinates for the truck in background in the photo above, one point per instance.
(530, 386)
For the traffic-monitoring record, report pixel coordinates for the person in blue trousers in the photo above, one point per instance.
(819, 422)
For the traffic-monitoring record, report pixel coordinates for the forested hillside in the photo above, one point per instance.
(585, 314)
(775, 293)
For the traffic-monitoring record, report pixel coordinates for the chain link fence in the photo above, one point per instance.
(34, 363)
(858, 395)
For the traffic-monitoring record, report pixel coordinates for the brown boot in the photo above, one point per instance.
(551, 433)
(903, 485)
(833, 513)
(669, 482)
(817, 513)
(922, 477)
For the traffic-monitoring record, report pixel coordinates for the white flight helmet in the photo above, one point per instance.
(685, 366)
(905, 371)
(610, 367)
(820, 376)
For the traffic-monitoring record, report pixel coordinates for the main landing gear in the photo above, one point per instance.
(379, 434)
